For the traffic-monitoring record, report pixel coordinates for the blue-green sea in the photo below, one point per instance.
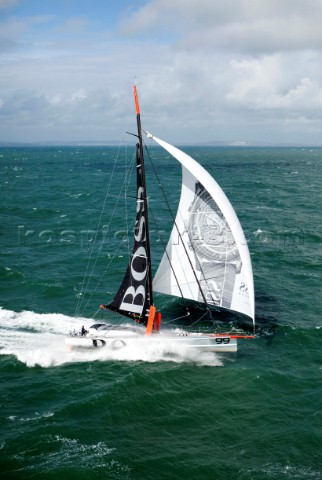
(141, 414)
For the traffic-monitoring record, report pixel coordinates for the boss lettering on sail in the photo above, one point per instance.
(133, 300)
(135, 295)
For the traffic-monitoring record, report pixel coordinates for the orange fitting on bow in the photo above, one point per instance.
(149, 327)
(136, 101)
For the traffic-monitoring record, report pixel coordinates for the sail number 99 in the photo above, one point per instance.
(224, 340)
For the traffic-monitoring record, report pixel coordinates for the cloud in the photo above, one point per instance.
(272, 82)
(4, 4)
(254, 62)
(206, 70)
(82, 115)
(183, 97)
(15, 32)
(238, 25)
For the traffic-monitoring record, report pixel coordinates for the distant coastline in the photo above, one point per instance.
(114, 143)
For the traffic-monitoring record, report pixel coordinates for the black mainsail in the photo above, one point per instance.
(134, 297)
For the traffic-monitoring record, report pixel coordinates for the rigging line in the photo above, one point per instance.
(86, 276)
(126, 179)
(97, 311)
(204, 277)
(99, 222)
(185, 316)
(126, 208)
(128, 176)
(175, 319)
(180, 236)
(226, 259)
(202, 316)
(104, 272)
(125, 186)
(165, 251)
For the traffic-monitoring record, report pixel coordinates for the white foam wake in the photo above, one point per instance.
(38, 339)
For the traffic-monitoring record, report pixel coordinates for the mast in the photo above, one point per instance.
(134, 297)
(141, 166)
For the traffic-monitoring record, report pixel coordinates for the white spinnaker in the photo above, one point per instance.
(207, 248)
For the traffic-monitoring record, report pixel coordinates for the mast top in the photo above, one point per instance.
(136, 100)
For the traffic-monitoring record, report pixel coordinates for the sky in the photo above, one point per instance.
(206, 70)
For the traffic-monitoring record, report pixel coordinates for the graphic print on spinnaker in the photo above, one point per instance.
(216, 254)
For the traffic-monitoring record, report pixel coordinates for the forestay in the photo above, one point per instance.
(207, 258)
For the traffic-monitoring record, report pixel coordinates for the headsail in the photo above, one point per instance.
(134, 296)
(207, 249)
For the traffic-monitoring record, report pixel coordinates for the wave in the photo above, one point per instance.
(64, 453)
(38, 339)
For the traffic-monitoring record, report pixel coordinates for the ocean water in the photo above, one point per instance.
(147, 413)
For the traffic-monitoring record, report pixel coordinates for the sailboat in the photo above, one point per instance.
(206, 260)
